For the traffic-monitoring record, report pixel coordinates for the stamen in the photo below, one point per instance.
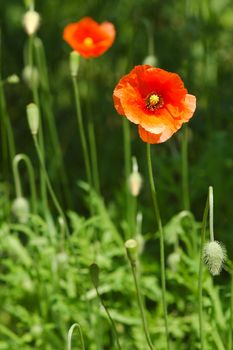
(154, 101)
(88, 41)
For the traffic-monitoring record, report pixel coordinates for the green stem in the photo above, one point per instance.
(50, 188)
(211, 211)
(161, 238)
(140, 304)
(127, 161)
(93, 153)
(82, 131)
(200, 276)
(91, 131)
(231, 315)
(31, 175)
(70, 333)
(110, 318)
(185, 181)
(47, 107)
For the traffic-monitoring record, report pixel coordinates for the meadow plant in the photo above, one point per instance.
(65, 244)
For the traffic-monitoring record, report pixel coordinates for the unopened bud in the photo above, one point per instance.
(31, 76)
(31, 22)
(135, 180)
(151, 60)
(33, 117)
(214, 255)
(20, 209)
(173, 260)
(74, 63)
(12, 79)
(131, 246)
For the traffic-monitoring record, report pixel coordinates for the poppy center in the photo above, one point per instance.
(88, 41)
(154, 101)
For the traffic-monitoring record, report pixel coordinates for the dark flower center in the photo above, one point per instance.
(154, 101)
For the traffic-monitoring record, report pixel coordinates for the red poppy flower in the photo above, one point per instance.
(89, 38)
(154, 99)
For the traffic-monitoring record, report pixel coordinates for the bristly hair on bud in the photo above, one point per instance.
(33, 118)
(135, 179)
(31, 22)
(214, 255)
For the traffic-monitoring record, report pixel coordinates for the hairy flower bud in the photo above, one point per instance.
(74, 63)
(214, 254)
(31, 22)
(135, 180)
(20, 209)
(30, 76)
(151, 60)
(33, 117)
(131, 246)
(13, 79)
(173, 260)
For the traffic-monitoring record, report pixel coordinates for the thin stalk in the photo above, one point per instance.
(70, 333)
(36, 100)
(50, 188)
(127, 161)
(82, 131)
(93, 153)
(140, 304)
(231, 315)
(31, 175)
(200, 277)
(6, 123)
(47, 107)
(211, 215)
(161, 238)
(91, 133)
(185, 180)
(110, 319)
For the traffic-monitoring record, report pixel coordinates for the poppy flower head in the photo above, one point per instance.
(89, 38)
(155, 100)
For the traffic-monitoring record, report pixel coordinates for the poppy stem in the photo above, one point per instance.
(82, 131)
(18, 188)
(49, 185)
(161, 238)
(200, 287)
(185, 180)
(127, 161)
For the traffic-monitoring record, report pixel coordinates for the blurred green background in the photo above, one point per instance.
(193, 38)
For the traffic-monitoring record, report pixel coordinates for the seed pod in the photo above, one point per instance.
(214, 255)
(20, 209)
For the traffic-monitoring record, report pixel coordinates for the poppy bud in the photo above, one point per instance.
(131, 246)
(20, 209)
(151, 60)
(13, 79)
(31, 76)
(74, 63)
(214, 255)
(135, 180)
(31, 22)
(33, 118)
(173, 260)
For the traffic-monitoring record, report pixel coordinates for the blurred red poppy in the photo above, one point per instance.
(89, 38)
(154, 99)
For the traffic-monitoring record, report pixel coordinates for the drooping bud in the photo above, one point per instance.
(31, 76)
(135, 179)
(12, 79)
(74, 63)
(31, 22)
(173, 260)
(21, 209)
(33, 118)
(131, 246)
(214, 255)
(151, 60)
